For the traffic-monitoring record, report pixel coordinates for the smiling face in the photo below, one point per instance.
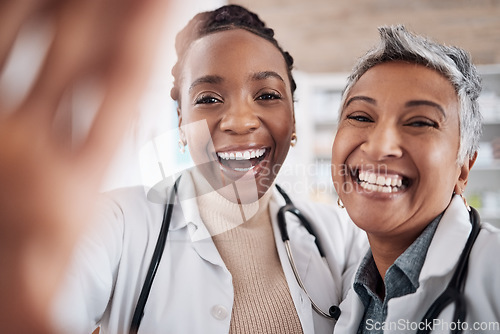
(237, 84)
(394, 155)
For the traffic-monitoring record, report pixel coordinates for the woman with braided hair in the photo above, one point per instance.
(224, 267)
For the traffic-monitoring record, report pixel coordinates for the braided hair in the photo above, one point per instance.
(224, 18)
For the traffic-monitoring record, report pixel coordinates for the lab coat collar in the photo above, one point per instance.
(189, 207)
(201, 232)
(187, 215)
(448, 241)
(440, 263)
(188, 201)
(186, 206)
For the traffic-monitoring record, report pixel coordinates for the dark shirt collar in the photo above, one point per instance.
(402, 277)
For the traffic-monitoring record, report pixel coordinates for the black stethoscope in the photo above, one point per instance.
(333, 312)
(454, 292)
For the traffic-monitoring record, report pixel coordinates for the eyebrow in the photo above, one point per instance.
(206, 79)
(266, 75)
(409, 104)
(361, 98)
(215, 79)
(416, 103)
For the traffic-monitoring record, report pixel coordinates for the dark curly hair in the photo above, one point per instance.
(224, 18)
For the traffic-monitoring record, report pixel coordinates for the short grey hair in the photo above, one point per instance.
(398, 44)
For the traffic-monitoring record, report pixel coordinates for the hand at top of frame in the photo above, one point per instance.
(47, 189)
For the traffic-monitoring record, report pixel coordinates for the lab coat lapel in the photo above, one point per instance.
(301, 242)
(448, 241)
(189, 218)
(441, 260)
(352, 311)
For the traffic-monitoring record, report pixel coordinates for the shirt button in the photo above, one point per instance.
(219, 312)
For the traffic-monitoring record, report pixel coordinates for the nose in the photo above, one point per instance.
(240, 119)
(383, 142)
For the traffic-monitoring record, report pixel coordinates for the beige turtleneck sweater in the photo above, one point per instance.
(244, 238)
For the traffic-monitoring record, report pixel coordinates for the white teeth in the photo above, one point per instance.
(388, 181)
(373, 182)
(242, 155)
(244, 169)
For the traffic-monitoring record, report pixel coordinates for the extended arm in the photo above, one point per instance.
(47, 190)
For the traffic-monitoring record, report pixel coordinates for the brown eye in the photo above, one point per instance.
(422, 123)
(269, 96)
(207, 99)
(359, 118)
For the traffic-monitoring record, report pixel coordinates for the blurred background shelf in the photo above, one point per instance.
(483, 189)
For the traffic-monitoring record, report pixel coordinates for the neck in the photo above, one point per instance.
(386, 250)
(242, 191)
(220, 214)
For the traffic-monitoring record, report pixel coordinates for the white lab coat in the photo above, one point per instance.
(482, 289)
(192, 291)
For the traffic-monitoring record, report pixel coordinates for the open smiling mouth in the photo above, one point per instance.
(242, 161)
(376, 182)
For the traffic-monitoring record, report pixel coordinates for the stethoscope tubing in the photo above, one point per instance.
(334, 310)
(289, 207)
(155, 262)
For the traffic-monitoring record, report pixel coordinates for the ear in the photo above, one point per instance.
(464, 174)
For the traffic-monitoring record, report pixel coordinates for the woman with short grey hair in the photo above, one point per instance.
(454, 63)
(407, 138)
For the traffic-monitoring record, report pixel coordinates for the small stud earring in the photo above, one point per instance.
(293, 140)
